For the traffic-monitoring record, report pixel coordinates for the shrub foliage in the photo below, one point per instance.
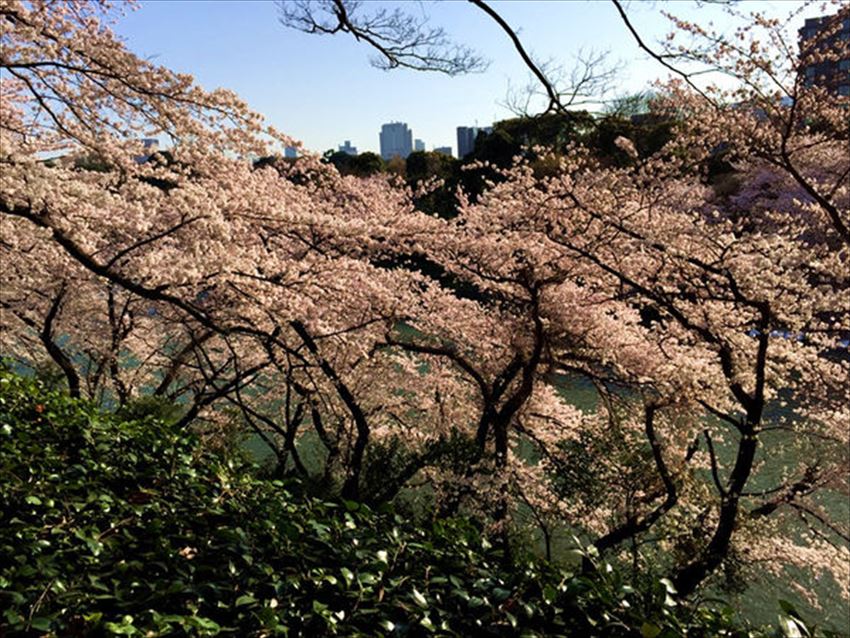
(124, 524)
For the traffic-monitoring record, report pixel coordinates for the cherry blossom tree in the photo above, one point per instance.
(303, 304)
(709, 277)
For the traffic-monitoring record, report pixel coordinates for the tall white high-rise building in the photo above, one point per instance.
(396, 140)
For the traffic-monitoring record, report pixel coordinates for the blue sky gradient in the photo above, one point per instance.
(322, 90)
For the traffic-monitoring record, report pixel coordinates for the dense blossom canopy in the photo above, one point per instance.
(311, 306)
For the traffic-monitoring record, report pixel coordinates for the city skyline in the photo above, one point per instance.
(296, 80)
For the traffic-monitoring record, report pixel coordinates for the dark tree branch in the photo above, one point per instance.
(402, 40)
(551, 93)
(634, 525)
(45, 333)
(712, 455)
(178, 360)
(351, 487)
(657, 56)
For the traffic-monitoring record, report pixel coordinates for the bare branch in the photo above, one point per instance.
(658, 57)
(401, 39)
(551, 93)
(591, 77)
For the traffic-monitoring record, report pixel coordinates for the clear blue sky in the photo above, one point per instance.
(322, 90)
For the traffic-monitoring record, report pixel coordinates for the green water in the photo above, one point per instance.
(758, 602)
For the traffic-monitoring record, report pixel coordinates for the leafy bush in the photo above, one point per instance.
(123, 525)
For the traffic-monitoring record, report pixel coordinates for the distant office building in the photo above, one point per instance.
(396, 140)
(466, 140)
(445, 150)
(348, 148)
(418, 145)
(290, 152)
(834, 75)
(466, 136)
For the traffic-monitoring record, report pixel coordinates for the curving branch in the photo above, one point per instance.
(658, 57)
(634, 525)
(404, 40)
(585, 83)
(351, 487)
(551, 93)
(401, 39)
(45, 333)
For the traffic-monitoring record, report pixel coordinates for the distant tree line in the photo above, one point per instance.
(629, 117)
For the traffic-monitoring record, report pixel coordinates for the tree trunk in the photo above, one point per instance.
(690, 576)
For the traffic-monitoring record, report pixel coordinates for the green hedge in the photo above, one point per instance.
(127, 526)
